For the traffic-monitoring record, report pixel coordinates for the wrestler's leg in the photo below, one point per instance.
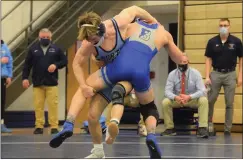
(119, 91)
(150, 115)
(145, 98)
(96, 81)
(97, 106)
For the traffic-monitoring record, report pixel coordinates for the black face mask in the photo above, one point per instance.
(2, 42)
(182, 67)
(45, 42)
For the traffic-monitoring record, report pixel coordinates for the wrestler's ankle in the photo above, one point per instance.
(151, 130)
(70, 118)
(98, 146)
(115, 120)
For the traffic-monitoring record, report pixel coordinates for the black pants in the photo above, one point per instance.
(3, 97)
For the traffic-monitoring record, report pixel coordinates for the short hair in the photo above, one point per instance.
(45, 30)
(224, 19)
(93, 20)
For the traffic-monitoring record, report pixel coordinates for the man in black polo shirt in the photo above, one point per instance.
(221, 53)
(45, 58)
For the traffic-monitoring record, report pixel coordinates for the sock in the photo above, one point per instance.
(115, 120)
(2, 121)
(98, 146)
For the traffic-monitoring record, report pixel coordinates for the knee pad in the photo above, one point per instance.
(149, 109)
(117, 95)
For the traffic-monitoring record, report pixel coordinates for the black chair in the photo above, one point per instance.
(185, 120)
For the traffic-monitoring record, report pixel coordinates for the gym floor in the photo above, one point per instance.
(23, 144)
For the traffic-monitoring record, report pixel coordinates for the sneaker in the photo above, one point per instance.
(154, 150)
(111, 133)
(54, 131)
(227, 133)
(142, 131)
(169, 132)
(4, 129)
(96, 153)
(202, 132)
(38, 131)
(60, 137)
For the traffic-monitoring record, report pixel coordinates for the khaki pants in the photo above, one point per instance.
(201, 103)
(51, 95)
(127, 101)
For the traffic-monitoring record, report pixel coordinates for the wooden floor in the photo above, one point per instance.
(23, 144)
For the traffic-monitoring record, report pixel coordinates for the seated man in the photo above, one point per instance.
(131, 101)
(185, 88)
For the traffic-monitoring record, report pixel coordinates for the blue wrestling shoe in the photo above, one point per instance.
(154, 150)
(60, 137)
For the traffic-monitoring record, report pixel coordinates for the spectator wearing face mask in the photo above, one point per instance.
(44, 58)
(221, 53)
(6, 76)
(185, 88)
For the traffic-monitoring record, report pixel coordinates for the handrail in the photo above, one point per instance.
(83, 5)
(12, 10)
(32, 32)
(73, 22)
(17, 67)
(19, 55)
(28, 25)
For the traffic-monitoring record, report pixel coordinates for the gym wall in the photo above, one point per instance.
(20, 17)
(199, 22)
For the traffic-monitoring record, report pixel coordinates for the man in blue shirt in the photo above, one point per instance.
(185, 88)
(6, 75)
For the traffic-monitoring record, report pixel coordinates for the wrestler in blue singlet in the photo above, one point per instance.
(132, 64)
(108, 57)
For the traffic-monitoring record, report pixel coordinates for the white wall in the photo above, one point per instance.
(20, 17)
(25, 101)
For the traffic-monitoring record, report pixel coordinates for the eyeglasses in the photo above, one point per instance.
(223, 25)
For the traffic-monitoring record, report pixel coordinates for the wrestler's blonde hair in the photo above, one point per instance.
(88, 25)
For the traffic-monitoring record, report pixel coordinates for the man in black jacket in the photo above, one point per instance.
(45, 58)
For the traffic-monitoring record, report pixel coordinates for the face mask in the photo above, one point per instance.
(223, 31)
(45, 42)
(100, 42)
(2, 42)
(182, 67)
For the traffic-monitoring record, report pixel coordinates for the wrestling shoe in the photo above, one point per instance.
(111, 132)
(65, 133)
(96, 153)
(154, 150)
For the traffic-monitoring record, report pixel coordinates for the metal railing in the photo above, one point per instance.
(25, 29)
(29, 33)
(58, 29)
(9, 12)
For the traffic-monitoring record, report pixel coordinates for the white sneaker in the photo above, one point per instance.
(96, 153)
(142, 130)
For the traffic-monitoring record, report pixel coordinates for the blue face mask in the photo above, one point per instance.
(45, 42)
(223, 31)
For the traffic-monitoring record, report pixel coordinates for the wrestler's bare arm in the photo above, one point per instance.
(127, 15)
(175, 53)
(82, 56)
